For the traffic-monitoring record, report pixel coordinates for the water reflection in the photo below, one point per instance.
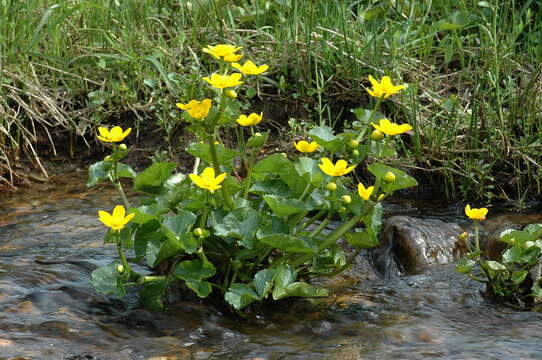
(51, 239)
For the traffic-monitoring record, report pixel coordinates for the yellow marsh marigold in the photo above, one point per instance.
(384, 88)
(306, 147)
(391, 128)
(476, 214)
(207, 179)
(338, 169)
(251, 120)
(225, 52)
(117, 220)
(365, 193)
(115, 135)
(224, 81)
(249, 68)
(197, 109)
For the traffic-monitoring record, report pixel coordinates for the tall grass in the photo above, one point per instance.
(69, 65)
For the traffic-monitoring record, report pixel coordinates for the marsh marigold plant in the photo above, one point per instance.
(244, 224)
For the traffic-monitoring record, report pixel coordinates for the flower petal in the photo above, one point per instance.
(118, 212)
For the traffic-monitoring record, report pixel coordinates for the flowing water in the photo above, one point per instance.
(51, 239)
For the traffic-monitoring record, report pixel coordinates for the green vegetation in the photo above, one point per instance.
(515, 278)
(252, 232)
(67, 66)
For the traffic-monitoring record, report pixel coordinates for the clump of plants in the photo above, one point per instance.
(251, 232)
(515, 278)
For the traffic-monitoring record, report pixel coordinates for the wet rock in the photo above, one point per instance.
(407, 245)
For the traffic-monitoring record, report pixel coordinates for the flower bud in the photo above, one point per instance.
(463, 236)
(342, 209)
(231, 94)
(123, 147)
(331, 186)
(257, 134)
(355, 152)
(284, 154)
(389, 177)
(377, 135)
(108, 158)
(353, 143)
(120, 269)
(346, 199)
(198, 232)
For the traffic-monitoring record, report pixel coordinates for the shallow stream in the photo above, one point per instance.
(51, 239)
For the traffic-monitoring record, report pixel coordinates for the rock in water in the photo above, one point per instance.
(408, 244)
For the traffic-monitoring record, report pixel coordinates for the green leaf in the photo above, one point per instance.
(201, 150)
(279, 165)
(308, 167)
(241, 224)
(153, 177)
(290, 243)
(263, 282)
(146, 213)
(98, 172)
(284, 276)
(362, 238)
(402, 180)
(271, 187)
(464, 266)
(107, 280)
(201, 288)
(373, 220)
(194, 270)
(177, 225)
(273, 226)
(519, 276)
(240, 295)
(364, 118)
(302, 289)
(160, 249)
(512, 255)
(494, 265)
(257, 141)
(285, 207)
(152, 294)
(324, 136)
(517, 237)
(144, 234)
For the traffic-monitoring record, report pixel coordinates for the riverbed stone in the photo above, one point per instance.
(408, 244)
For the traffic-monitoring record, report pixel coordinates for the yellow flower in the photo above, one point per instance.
(365, 193)
(224, 81)
(117, 220)
(384, 88)
(250, 120)
(115, 135)
(391, 128)
(305, 147)
(339, 169)
(249, 68)
(476, 214)
(225, 51)
(231, 94)
(207, 180)
(197, 109)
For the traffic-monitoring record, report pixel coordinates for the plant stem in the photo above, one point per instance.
(225, 192)
(476, 238)
(378, 102)
(331, 239)
(312, 219)
(117, 184)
